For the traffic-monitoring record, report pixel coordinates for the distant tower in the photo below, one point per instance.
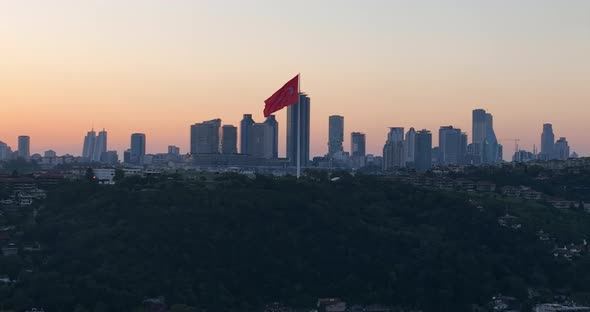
(4, 151)
(449, 143)
(89, 144)
(358, 142)
(463, 148)
(478, 133)
(137, 152)
(410, 145)
(335, 134)
(261, 140)
(562, 149)
(205, 137)
(272, 122)
(547, 142)
(100, 146)
(489, 147)
(293, 120)
(24, 146)
(394, 152)
(358, 148)
(396, 134)
(423, 155)
(245, 125)
(229, 139)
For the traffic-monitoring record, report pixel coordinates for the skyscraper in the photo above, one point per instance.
(358, 144)
(303, 124)
(24, 146)
(547, 142)
(229, 139)
(127, 156)
(261, 140)
(489, 147)
(449, 143)
(410, 146)
(101, 145)
(89, 144)
(205, 137)
(562, 149)
(94, 146)
(396, 134)
(245, 125)
(4, 151)
(137, 153)
(393, 155)
(463, 148)
(394, 152)
(335, 134)
(272, 122)
(478, 133)
(423, 151)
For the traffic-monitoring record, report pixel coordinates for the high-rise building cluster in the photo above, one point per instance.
(95, 146)
(23, 151)
(212, 143)
(415, 150)
(551, 149)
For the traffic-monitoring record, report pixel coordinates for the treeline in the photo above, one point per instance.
(230, 243)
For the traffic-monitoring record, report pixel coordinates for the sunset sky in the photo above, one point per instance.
(159, 66)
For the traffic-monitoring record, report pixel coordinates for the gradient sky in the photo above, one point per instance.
(159, 66)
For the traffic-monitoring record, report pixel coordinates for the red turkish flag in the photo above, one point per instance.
(285, 96)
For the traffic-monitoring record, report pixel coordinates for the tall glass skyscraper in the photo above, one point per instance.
(205, 137)
(4, 151)
(394, 153)
(335, 134)
(89, 144)
(24, 146)
(100, 146)
(245, 125)
(272, 122)
(489, 146)
(449, 143)
(358, 144)
(94, 145)
(410, 145)
(478, 133)
(423, 151)
(137, 153)
(484, 140)
(562, 149)
(547, 142)
(229, 139)
(292, 125)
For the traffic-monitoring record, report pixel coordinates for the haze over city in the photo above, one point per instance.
(157, 67)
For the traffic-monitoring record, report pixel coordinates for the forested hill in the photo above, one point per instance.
(234, 243)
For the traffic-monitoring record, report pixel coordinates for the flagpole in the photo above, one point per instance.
(298, 126)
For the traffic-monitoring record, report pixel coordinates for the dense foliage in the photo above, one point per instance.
(234, 243)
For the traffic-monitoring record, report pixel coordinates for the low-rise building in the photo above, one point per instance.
(484, 186)
(554, 307)
(331, 305)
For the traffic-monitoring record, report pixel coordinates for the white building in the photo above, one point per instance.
(105, 176)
